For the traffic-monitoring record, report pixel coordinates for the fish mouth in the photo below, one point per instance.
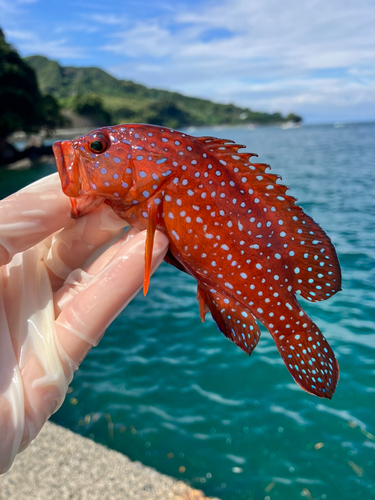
(68, 168)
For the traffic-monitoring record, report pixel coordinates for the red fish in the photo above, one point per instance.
(230, 225)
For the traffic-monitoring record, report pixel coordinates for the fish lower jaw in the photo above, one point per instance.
(82, 205)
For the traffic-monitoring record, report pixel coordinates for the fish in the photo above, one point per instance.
(230, 225)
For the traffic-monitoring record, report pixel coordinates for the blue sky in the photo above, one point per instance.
(313, 57)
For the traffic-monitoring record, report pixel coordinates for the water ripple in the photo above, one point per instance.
(216, 397)
(290, 414)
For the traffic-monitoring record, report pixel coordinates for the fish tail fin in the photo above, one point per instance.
(305, 352)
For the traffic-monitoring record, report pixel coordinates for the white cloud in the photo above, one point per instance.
(28, 42)
(144, 39)
(281, 55)
(11, 6)
(76, 28)
(109, 19)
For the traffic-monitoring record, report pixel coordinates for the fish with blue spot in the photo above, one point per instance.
(231, 226)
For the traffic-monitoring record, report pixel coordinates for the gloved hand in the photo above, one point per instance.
(51, 310)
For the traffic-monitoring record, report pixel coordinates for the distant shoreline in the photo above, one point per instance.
(78, 131)
(36, 150)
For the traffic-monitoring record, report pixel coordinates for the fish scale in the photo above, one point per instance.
(230, 225)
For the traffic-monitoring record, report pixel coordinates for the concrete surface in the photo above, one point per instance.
(61, 465)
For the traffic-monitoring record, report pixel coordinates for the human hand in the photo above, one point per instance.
(51, 311)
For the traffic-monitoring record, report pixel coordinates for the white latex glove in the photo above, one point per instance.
(51, 311)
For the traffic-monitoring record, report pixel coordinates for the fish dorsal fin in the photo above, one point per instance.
(307, 257)
(232, 319)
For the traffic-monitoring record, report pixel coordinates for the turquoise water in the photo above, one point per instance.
(167, 390)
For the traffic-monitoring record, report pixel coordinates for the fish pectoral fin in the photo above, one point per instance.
(235, 321)
(309, 359)
(151, 227)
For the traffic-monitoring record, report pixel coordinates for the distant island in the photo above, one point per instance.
(103, 99)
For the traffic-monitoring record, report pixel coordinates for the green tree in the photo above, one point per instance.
(293, 118)
(124, 114)
(91, 105)
(21, 103)
(166, 113)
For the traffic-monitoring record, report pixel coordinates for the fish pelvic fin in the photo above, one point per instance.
(233, 320)
(171, 260)
(203, 307)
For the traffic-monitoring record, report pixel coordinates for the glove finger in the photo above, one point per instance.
(31, 215)
(82, 323)
(79, 278)
(72, 247)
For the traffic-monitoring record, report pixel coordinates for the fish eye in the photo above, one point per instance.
(97, 146)
(98, 143)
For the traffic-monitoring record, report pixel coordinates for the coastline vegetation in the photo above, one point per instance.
(23, 106)
(93, 92)
(38, 95)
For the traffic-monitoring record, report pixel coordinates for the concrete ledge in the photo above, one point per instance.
(61, 465)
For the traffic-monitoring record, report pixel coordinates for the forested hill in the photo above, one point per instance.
(92, 91)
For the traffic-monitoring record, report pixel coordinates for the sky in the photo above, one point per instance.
(312, 57)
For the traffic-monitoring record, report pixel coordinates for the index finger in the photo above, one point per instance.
(30, 215)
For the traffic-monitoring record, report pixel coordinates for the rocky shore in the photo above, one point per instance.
(61, 465)
(34, 149)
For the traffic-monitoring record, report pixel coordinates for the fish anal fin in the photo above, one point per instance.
(233, 320)
(309, 358)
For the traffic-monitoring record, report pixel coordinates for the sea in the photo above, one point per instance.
(176, 395)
